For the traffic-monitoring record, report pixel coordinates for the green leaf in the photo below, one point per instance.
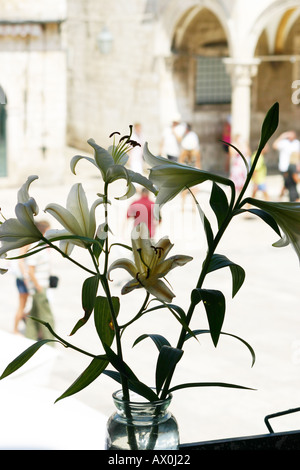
(207, 227)
(103, 319)
(265, 216)
(125, 371)
(89, 375)
(167, 360)
(159, 340)
(199, 332)
(240, 154)
(219, 203)
(88, 296)
(214, 303)
(176, 311)
(269, 126)
(237, 272)
(24, 357)
(207, 384)
(98, 247)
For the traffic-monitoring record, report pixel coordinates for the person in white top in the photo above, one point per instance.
(286, 144)
(190, 148)
(172, 136)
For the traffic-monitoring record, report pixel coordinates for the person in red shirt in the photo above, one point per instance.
(142, 210)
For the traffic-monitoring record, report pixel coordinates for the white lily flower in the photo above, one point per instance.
(22, 231)
(77, 219)
(111, 163)
(150, 264)
(171, 177)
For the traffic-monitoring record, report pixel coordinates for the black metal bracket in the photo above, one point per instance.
(275, 415)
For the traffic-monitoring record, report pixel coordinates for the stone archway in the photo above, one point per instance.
(278, 77)
(201, 83)
(3, 163)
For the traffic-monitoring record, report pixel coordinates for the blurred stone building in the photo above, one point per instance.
(75, 69)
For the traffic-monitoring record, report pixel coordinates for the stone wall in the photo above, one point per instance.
(33, 78)
(109, 92)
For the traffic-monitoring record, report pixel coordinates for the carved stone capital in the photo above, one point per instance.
(242, 72)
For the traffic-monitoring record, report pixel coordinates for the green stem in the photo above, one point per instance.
(124, 381)
(122, 327)
(65, 343)
(51, 245)
(211, 250)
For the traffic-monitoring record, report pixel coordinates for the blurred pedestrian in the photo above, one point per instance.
(19, 268)
(226, 137)
(260, 175)
(286, 144)
(39, 271)
(172, 136)
(190, 154)
(142, 210)
(238, 168)
(190, 148)
(291, 178)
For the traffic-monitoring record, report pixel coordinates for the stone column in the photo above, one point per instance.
(241, 79)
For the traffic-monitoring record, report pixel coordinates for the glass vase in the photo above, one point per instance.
(141, 425)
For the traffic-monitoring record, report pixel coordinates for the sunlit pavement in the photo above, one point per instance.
(265, 313)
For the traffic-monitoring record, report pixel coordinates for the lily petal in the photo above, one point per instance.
(103, 158)
(23, 194)
(65, 218)
(160, 291)
(171, 263)
(126, 264)
(149, 264)
(15, 235)
(77, 158)
(171, 177)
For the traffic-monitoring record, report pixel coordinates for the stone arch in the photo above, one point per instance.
(177, 15)
(3, 133)
(199, 42)
(282, 14)
(280, 65)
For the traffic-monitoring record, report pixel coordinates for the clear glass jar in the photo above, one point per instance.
(141, 425)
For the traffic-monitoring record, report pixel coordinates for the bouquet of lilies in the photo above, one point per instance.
(149, 262)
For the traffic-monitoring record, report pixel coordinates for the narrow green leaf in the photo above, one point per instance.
(219, 203)
(24, 357)
(103, 319)
(159, 340)
(98, 247)
(206, 224)
(207, 384)
(237, 272)
(88, 296)
(89, 375)
(269, 125)
(265, 216)
(125, 370)
(199, 332)
(176, 311)
(167, 360)
(214, 303)
(238, 277)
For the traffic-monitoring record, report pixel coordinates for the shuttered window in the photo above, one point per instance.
(212, 81)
